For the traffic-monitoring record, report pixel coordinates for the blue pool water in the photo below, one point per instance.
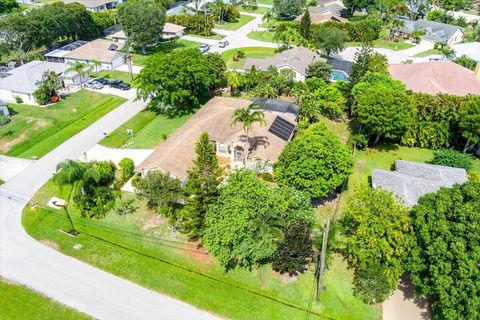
(339, 75)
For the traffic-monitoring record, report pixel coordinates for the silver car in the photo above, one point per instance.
(92, 84)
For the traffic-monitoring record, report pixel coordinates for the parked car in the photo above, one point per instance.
(223, 44)
(119, 84)
(103, 81)
(204, 48)
(92, 84)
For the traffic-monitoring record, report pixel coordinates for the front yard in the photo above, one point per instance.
(386, 44)
(18, 302)
(244, 19)
(166, 47)
(250, 52)
(254, 9)
(266, 36)
(149, 129)
(34, 131)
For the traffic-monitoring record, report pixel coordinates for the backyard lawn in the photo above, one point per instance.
(149, 129)
(35, 131)
(139, 59)
(254, 9)
(18, 303)
(142, 248)
(250, 52)
(266, 36)
(427, 53)
(244, 19)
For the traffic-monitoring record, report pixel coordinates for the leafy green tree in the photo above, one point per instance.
(142, 21)
(366, 60)
(454, 5)
(104, 19)
(288, 35)
(161, 192)
(305, 24)
(382, 107)
(47, 87)
(377, 237)
(470, 122)
(201, 190)
(176, 82)
(329, 40)
(316, 162)
(288, 7)
(452, 158)
(127, 169)
(444, 262)
(194, 24)
(319, 69)
(7, 6)
(331, 101)
(247, 117)
(466, 62)
(233, 81)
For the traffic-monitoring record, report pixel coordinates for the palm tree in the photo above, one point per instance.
(78, 68)
(73, 172)
(247, 117)
(232, 81)
(95, 64)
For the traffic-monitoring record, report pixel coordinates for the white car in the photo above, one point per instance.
(204, 48)
(92, 84)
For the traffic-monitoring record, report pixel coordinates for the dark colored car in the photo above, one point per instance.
(119, 84)
(103, 81)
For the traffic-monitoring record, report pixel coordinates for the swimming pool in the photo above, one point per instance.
(339, 75)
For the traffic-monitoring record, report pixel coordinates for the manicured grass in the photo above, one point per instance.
(149, 129)
(19, 303)
(254, 9)
(386, 44)
(268, 2)
(35, 131)
(428, 53)
(266, 36)
(142, 248)
(166, 47)
(118, 75)
(272, 23)
(216, 36)
(250, 52)
(244, 19)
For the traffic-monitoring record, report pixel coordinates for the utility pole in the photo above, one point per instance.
(129, 63)
(63, 205)
(323, 255)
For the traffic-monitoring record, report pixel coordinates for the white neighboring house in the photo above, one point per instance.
(170, 30)
(434, 31)
(97, 5)
(22, 81)
(104, 51)
(469, 49)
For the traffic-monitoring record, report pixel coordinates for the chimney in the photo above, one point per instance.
(477, 71)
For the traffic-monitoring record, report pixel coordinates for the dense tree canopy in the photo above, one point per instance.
(377, 238)
(470, 121)
(329, 40)
(142, 21)
(7, 6)
(452, 158)
(319, 69)
(288, 7)
(316, 162)
(176, 82)
(445, 260)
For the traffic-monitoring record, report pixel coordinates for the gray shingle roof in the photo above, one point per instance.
(411, 180)
(333, 8)
(436, 31)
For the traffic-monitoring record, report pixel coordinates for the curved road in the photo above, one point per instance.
(65, 279)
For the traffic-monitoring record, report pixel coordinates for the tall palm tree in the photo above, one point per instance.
(247, 117)
(233, 81)
(78, 68)
(95, 64)
(73, 172)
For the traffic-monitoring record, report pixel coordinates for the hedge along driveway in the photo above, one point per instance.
(35, 131)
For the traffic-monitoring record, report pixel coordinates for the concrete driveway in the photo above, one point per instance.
(10, 166)
(101, 153)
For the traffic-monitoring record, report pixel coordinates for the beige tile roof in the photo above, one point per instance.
(436, 77)
(172, 28)
(175, 155)
(321, 17)
(95, 50)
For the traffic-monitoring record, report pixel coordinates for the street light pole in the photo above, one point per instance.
(63, 205)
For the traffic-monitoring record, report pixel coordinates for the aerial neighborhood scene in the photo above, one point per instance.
(240, 159)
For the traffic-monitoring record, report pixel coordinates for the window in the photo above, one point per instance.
(222, 148)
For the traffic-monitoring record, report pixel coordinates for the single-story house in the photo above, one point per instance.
(435, 77)
(170, 30)
(324, 3)
(296, 59)
(331, 12)
(175, 155)
(97, 5)
(21, 82)
(104, 51)
(411, 180)
(434, 31)
(469, 49)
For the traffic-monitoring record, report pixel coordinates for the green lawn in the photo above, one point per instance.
(386, 44)
(35, 131)
(19, 303)
(167, 47)
(268, 2)
(140, 247)
(266, 36)
(244, 19)
(118, 75)
(216, 36)
(254, 9)
(250, 52)
(272, 23)
(429, 53)
(149, 129)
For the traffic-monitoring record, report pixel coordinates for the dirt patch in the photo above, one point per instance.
(51, 244)
(285, 278)
(261, 277)
(5, 145)
(154, 221)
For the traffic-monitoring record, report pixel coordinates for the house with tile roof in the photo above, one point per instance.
(170, 30)
(435, 77)
(411, 180)
(331, 12)
(434, 31)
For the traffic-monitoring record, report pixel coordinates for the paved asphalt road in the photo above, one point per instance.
(65, 279)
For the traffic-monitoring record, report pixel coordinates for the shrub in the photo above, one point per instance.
(4, 120)
(18, 99)
(452, 158)
(196, 24)
(239, 54)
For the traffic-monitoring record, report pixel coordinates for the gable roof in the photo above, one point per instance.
(411, 180)
(321, 17)
(175, 155)
(297, 58)
(435, 31)
(24, 78)
(332, 8)
(435, 77)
